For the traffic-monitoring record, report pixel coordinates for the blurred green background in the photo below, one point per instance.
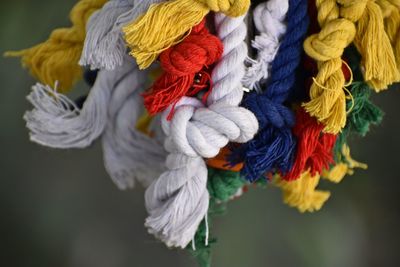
(60, 209)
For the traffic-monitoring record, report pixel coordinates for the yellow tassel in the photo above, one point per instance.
(350, 161)
(167, 23)
(371, 40)
(328, 100)
(57, 58)
(337, 173)
(301, 193)
(391, 14)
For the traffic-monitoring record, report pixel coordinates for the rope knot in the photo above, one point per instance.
(273, 147)
(186, 70)
(352, 9)
(331, 41)
(200, 49)
(193, 133)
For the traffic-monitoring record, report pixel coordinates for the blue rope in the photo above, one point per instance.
(273, 147)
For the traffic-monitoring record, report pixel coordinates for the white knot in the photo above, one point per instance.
(204, 131)
(57, 122)
(130, 155)
(178, 200)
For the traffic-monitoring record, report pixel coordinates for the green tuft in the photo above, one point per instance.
(221, 185)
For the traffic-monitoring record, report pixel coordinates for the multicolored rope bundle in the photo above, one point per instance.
(182, 105)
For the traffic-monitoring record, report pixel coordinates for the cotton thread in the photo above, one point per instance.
(273, 147)
(166, 24)
(56, 60)
(195, 132)
(269, 21)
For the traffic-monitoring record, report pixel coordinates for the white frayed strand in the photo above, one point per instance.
(96, 51)
(269, 21)
(104, 46)
(178, 200)
(57, 122)
(207, 230)
(130, 155)
(193, 245)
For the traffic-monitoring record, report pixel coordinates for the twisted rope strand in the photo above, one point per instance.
(328, 103)
(372, 42)
(105, 46)
(274, 146)
(178, 200)
(269, 21)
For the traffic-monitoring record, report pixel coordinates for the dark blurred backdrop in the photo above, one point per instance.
(60, 209)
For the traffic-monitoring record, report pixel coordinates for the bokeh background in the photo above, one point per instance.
(60, 209)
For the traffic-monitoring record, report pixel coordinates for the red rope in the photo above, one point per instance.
(186, 70)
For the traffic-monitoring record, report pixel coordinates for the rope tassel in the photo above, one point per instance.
(372, 42)
(57, 122)
(302, 194)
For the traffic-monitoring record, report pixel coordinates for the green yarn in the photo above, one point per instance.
(202, 252)
(363, 113)
(221, 185)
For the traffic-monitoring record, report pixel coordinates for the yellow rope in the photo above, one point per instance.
(326, 47)
(57, 58)
(371, 40)
(391, 14)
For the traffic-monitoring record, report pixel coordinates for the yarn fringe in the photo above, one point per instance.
(373, 44)
(338, 171)
(57, 122)
(328, 100)
(302, 193)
